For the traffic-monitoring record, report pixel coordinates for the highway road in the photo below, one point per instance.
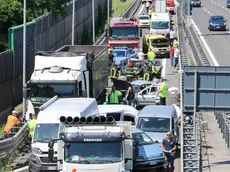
(172, 80)
(216, 42)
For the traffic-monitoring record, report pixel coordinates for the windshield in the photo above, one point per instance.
(119, 53)
(49, 91)
(142, 139)
(160, 42)
(160, 25)
(144, 18)
(217, 18)
(46, 132)
(124, 32)
(94, 152)
(154, 124)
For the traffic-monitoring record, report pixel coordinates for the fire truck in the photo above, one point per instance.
(123, 33)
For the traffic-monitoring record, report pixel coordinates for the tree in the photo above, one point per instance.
(11, 13)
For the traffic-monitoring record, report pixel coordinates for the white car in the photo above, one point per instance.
(143, 20)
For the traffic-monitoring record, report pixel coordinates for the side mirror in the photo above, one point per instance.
(135, 152)
(51, 144)
(51, 154)
(140, 32)
(128, 159)
(226, 20)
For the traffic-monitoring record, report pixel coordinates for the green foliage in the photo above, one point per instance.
(11, 13)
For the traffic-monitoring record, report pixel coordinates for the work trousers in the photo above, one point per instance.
(130, 103)
(147, 10)
(175, 62)
(171, 59)
(162, 100)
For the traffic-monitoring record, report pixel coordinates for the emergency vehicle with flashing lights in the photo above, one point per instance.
(93, 144)
(160, 24)
(170, 5)
(123, 32)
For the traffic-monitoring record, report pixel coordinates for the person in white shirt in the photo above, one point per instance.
(141, 55)
(176, 56)
(171, 36)
(147, 5)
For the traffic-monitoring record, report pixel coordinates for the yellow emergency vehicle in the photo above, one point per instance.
(158, 43)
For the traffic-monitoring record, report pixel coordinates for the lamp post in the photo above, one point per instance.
(108, 11)
(93, 17)
(73, 23)
(24, 58)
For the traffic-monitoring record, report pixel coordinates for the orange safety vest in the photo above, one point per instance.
(11, 121)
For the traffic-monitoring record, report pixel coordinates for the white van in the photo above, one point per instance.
(47, 127)
(160, 23)
(119, 112)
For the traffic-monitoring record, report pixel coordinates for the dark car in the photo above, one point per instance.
(228, 4)
(196, 3)
(217, 22)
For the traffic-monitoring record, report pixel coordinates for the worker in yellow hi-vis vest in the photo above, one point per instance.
(150, 12)
(151, 55)
(31, 125)
(113, 73)
(163, 92)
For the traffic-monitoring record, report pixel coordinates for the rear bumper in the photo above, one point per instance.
(196, 5)
(145, 165)
(217, 28)
(144, 25)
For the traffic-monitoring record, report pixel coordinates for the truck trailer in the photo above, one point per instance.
(71, 71)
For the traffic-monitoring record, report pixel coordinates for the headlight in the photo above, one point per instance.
(224, 24)
(212, 24)
(36, 151)
(155, 49)
(192, 2)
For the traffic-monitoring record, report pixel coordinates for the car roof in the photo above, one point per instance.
(141, 82)
(157, 110)
(136, 130)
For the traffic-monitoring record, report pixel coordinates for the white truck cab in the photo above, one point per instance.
(94, 144)
(119, 112)
(47, 127)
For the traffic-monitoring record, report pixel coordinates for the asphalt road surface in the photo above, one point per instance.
(216, 41)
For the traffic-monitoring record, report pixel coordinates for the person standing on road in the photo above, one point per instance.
(176, 56)
(171, 54)
(31, 125)
(141, 55)
(171, 35)
(114, 96)
(12, 120)
(111, 56)
(169, 149)
(151, 55)
(163, 92)
(147, 5)
(130, 97)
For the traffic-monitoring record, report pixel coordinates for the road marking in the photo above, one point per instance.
(207, 11)
(141, 9)
(23, 169)
(205, 44)
(163, 72)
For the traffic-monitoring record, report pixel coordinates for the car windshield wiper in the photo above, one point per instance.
(81, 162)
(105, 161)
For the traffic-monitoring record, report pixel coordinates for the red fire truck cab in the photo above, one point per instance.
(123, 33)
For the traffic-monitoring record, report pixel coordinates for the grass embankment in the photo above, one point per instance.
(1, 129)
(192, 61)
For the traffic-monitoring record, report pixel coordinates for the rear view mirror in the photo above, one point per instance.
(226, 20)
(51, 144)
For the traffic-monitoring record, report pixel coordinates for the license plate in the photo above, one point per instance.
(51, 168)
(218, 27)
(162, 53)
(153, 162)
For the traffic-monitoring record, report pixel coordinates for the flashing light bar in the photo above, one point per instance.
(89, 120)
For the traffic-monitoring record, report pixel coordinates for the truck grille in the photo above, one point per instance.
(47, 160)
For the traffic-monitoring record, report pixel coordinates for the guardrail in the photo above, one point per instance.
(130, 11)
(9, 145)
(224, 124)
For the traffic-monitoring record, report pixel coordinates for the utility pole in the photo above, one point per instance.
(93, 16)
(108, 11)
(73, 23)
(24, 59)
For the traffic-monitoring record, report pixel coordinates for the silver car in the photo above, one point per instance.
(146, 93)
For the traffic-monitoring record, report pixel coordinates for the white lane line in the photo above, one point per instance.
(141, 9)
(207, 11)
(163, 72)
(205, 44)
